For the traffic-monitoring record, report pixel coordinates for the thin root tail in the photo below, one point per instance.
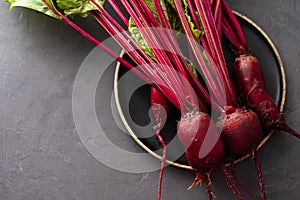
(260, 178)
(240, 184)
(231, 183)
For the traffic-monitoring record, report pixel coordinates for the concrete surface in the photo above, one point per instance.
(41, 156)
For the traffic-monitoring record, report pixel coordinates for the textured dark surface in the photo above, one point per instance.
(41, 155)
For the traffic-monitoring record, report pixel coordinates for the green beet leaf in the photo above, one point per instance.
(69, 7)
(78, 7)
(37, 5)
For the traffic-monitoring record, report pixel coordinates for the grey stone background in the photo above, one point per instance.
(41, 156)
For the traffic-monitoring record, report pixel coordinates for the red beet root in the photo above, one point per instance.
(250, 83)
(161, 109)
(241, 131)
(158, 100)
(204, 149)
(192, 131)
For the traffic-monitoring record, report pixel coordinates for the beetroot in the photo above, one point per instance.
(159, 103)
(250, 84)
(161, 109)
(241, 131)
(204, 149)
(192, 131)
(249, 77)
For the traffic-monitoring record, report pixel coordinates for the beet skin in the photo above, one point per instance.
(250, 84)
(192, 131)
(241, 131)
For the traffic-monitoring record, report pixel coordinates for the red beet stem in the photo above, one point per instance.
(150, 78)
(114, 4)
(214, 42)
(160, 14)
(235, 23)
(181, 67)
(135, 55)
(103, 12)
(218, 17)
(195, 21)
(200, 88)
(98, 43)
(165, 41)
(88, 36)
(233, 31)
(152, 39)
(211, 82)
(229, 32)
(168, 40)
